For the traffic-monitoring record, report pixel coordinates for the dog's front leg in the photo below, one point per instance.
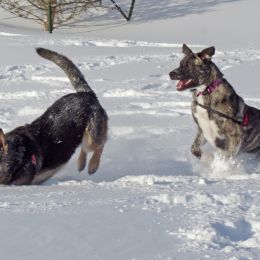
(198, 142)
(25, 176)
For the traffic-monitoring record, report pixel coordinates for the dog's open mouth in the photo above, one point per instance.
(184, 84)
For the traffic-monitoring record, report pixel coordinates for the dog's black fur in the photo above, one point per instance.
(32, 153)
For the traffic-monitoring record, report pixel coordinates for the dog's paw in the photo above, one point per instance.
(93, 164)
(81, 167)
(92, 168)
(196, 151)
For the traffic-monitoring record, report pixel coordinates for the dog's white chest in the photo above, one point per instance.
(209, 127)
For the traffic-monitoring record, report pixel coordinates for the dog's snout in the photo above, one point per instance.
(174, 75)
(171, 74)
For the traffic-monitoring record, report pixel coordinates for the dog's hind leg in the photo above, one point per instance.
(82, 160)
(95, 159)
(89, 145)
(93, 140)
(85, 148)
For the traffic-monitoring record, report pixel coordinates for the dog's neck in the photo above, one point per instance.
(212, 84)
(199, 89)
(210, 88)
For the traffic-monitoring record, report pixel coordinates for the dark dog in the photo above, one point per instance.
(33, 153)
(223, 118)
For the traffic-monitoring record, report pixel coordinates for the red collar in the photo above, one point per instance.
(33, 160)
(245, 121)
(210, 88)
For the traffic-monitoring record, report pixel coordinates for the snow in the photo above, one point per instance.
(150, 199)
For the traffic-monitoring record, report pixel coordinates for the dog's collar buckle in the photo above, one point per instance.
(210, 88)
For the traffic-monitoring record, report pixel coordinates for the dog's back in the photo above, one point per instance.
(60, 129)
(77, 117)
(45, 145)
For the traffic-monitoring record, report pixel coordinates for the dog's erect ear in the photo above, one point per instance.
(206, 54)
(186, 50)
(198, 60)
(2, 141)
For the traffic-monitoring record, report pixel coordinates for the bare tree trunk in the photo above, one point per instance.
(50, 17)
(131, 10)
(119, 9)
(127, 17)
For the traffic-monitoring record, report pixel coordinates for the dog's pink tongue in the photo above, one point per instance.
(181, 84)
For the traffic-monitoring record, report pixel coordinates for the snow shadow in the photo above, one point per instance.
(240, 230)
(165, 9)
(108, 174)
(119, 163)
(146, 10)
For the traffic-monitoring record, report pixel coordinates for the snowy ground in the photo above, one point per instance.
(150, 198)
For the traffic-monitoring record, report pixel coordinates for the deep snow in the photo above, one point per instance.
(150, 198)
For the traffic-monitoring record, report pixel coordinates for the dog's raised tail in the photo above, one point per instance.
(75, 76)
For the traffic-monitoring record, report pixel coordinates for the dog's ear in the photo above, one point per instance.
(198, 60)
(3, 142)
(207, 53)
(186, 50)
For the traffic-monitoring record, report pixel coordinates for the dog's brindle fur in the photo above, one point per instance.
(32, 153)
(197, 71)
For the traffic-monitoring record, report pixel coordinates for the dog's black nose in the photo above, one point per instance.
(172, 75)
(176, 74)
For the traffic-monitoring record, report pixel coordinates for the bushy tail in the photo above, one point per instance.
(75, 76)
